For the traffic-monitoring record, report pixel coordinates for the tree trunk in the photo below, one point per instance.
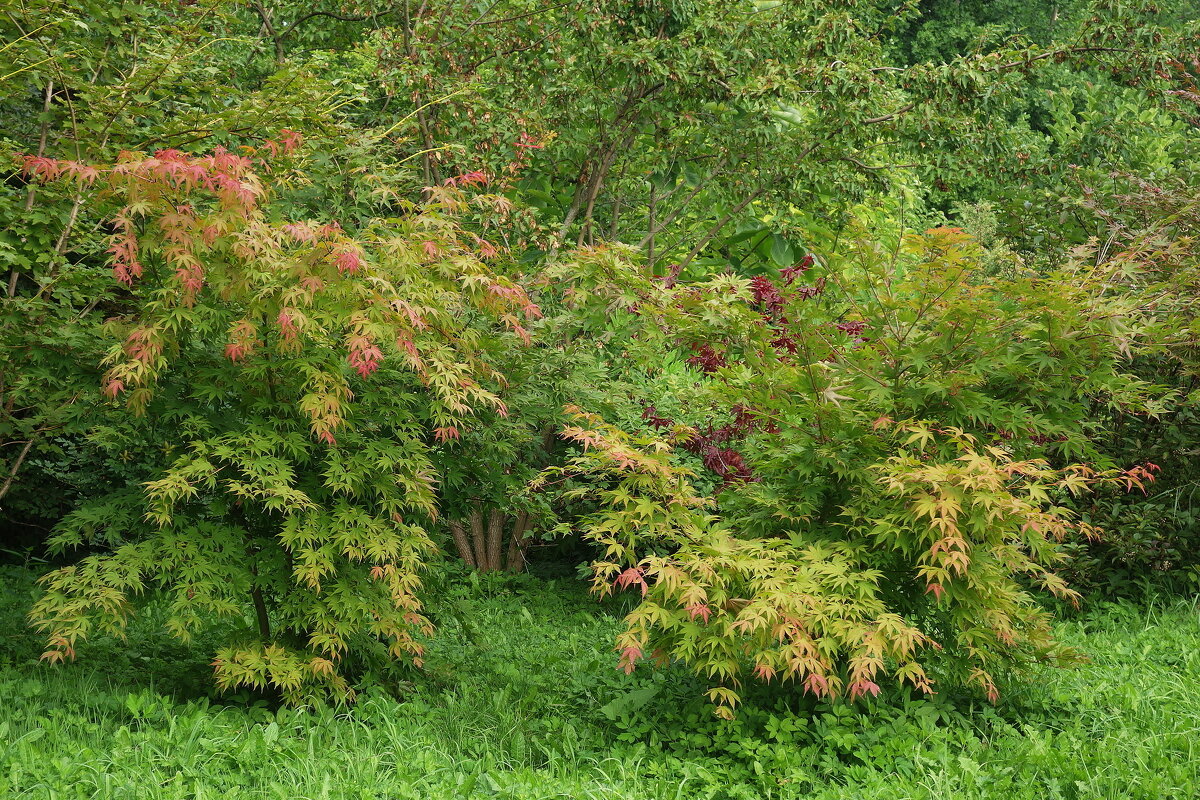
(516, 544)
(461, 543)
(480, 540)
(485, 548)
(276, 39)
(260, 612)
(495, 540)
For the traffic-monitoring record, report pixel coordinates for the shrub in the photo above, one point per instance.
(905, 437)
(309, 375)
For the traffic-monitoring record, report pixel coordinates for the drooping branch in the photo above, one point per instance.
(1022, 62)
(1063, 51)
(286, 32)
(527, 14)
(885, 117)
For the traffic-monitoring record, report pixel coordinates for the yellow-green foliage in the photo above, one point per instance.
(308, 374)
(908, 436)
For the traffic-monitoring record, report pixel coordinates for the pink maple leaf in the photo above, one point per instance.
(629, 658)
(287, 324)
(629, 577)
(236, 351)
(860, 688)
(347, 261)
(446, 433)
(816, 684)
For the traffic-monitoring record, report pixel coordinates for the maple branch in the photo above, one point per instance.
(1060, 52)
(719, 226)
(14, 276)
(506, 53)
(861, 165)
(342, 17)
(886, 117)
(655, 229)
(204, 133)
(533, 13)
(12, 474)
(599, 161)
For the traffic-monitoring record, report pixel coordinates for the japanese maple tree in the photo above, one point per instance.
(310, 372)
(896, 442)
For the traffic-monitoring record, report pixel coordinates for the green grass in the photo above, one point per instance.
(520, 699)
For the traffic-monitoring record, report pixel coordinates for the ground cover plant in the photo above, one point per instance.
(511, 707)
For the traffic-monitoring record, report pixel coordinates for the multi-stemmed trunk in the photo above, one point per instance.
(490, 540)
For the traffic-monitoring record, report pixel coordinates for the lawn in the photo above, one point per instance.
(514, 703)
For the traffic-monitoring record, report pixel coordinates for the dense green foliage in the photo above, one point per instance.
(838, 345)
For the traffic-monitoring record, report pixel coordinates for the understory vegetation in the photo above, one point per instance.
(730, 398)
(517, 704)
